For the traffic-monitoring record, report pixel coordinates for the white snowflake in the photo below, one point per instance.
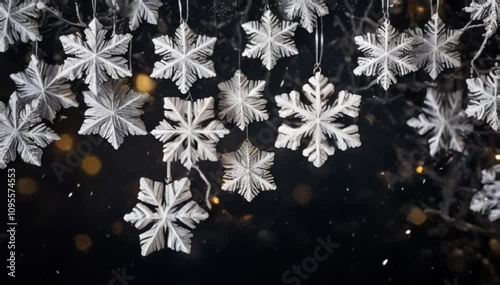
(17, 22)
(114, 113)
(387, 54)
(40, 82)
(177, 214)
(318, 120)
(248, 171)
(307, 11)
(189, 132)
(437, 48)
(444, 120)
(487, 200)
(241, 100)
(483, 98)
(143, 10)
(270, 39)
(185, 57)
(96, 57)
(486, 11)
(22, 131)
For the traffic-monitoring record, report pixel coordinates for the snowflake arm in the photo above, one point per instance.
(487, 200)
(307, 10)
(483, 98)
(270, 39)
(248, 171)
(387, 55)
(241, 100)
(114, 113)
(184, 58)
(17, 22)
(487, 12)
(143, 10)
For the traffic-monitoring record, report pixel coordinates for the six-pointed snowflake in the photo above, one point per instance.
(318, 120)
(484, 98)
(40, 82)
(437, 48)
(247, 171)
(141, 10)
(444, 120)
(270, 39)
(174, 215)
(241, 100)
(97, 57)
(185, 57)
(17, 22)
(307, 11)
(487, 200)
(114, 113)
(22, 131)
(387, 54)
(189, 132)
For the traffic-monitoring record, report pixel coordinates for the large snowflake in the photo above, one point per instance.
(114, 113)
(487, 200)
(318, 120)
(143, 10)
(444, 120)
(22, 130)
(184, 58)
(40, 82)
(241, 100)
(248, 171)
(307, 11)
(17, 21)
(173, 212)
(436, 49)
(189, 132)
(97, 58)
(270, 39)
(387, 54)
(484, 98)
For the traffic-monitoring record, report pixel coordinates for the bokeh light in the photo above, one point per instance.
(117, 228)
(302, 194)
(65, 143)
(26, 186)
(83, 242)
(91, 165)
(416, 216)
(144, 84)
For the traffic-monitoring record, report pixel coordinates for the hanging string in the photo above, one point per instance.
(267, 5)
(114, 17)
(385, 8)
(319, 45)
(36, 49)
(94, 8)
(181, 14)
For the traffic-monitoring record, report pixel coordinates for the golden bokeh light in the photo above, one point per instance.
(494, 246)
(214, 200)
(419, 169)
(416, 216)
(144, 84)
(117, 228)
(497, 156)
(83, 242)
(27, 186)
(91, 165)
(65, 143)
(302, 194)
(247, 217)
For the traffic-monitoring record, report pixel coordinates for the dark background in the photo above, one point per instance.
(365, 199)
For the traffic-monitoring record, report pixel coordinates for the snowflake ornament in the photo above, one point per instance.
(307, 10)
(174, 215)
(184, 58)
(436, 49)
(22, 131)
(41, 82)
(17, 22)
(487, 200)
(387, 54)
(248, 171)
(97, 58)
(444, 120)
(241, 100)
(270, 39)
(484, 98)
(114, 113)
(143, 10)
(189, 133)
(318, 120)
(486, 11)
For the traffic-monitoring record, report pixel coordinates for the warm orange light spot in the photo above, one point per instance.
(497, 156)
(91, 165)
(419, 169)
(26, 186)
(420, 9)
(247, 217)
(117, 228)
(143, 83)
(494, 245)
(214, 200)
(416, 216)
(65, 143)
(83, 242)
(302, 194)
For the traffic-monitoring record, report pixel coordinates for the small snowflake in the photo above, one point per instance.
(270, 39)
(184, 58)
(247, 171)
(318, 120)
(17, 22)
(444, 120)
(483, 98)
(307, 11)
(487, 200)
